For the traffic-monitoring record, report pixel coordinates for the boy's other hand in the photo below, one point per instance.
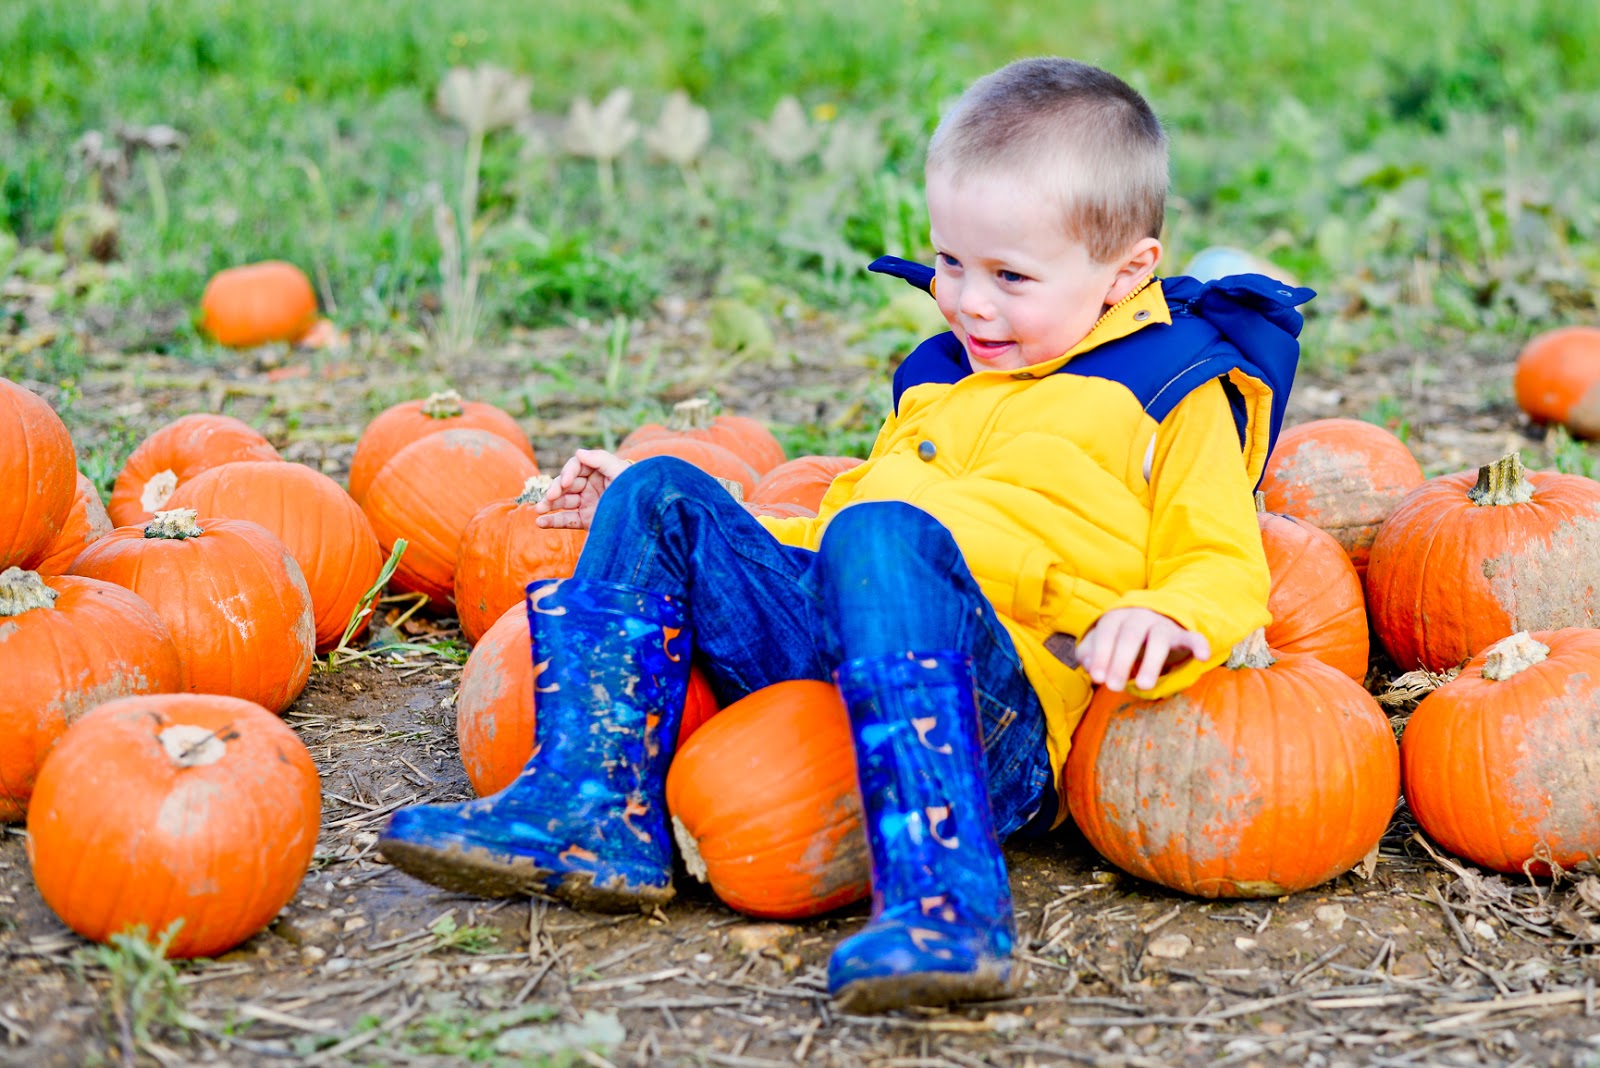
(1113, 645)
(571, 499)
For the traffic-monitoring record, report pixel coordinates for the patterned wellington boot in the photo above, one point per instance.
(585, 821)
(941, 928)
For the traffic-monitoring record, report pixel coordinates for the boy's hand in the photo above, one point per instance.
(571, 499)
(1114, 643)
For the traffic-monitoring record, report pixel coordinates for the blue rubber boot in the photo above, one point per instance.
(585, 821)
(942, 927)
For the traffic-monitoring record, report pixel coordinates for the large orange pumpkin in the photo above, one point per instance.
(37, 465)
(1470, 558)
(86, 522)
(1316, 600)
(230, 593)
(711, 458)
(1557, 379)
(1342, 475)
(1499, 762)
(747, 438)
(66, 645)
(257, 303)
(427, 494)
(766, 807)
(188, 807)
(803, 481)
(401, 424)
(495, 710)
(176, 453)
(1264, 777)
(324, 530)
(502, 550)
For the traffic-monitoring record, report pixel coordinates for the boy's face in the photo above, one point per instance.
(1015, 289)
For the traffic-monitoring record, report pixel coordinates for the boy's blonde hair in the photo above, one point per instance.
(1084, 136)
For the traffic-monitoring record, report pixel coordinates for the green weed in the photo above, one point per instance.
(1569, 455)
(144, 991)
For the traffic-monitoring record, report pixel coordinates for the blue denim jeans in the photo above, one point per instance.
(887, 579)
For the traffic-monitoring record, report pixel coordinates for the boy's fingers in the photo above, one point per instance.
(1123, 654)
(1156, 654)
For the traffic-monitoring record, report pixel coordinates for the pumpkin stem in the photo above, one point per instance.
(692, 414)
(693, 862)
(1252, 652)
(174, 525)
(1261, 501)
(732, 487)
(443, 405)
(158, 491)
(22, 591)
(1508, 656)
(1502, 482)
(534, 489)
(189, 746)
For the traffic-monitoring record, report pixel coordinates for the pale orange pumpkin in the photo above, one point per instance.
(713, 459)
(502, 550)
(1557, 379)
(803, 481)
(188, 807)
(176, 453)
(37, 468)
(1316, 600)
(86, 522)
(745, 437)
(258, 303)
(399, 425)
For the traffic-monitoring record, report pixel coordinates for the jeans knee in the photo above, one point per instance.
(655, 479)
(882, 529)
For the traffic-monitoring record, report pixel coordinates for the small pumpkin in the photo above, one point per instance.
(1316, 600)
(176, 453)
(495, 705)
(745, 437)
(324, 530)
(86, 522)
(1473, 557)
(37, 468)
(1342, 475)
(401, 424)
(1266, 776)
(502, 550)
(803, 481)
(766, 806)
(427, 494)
(1499, 763)
(66, 645)
(257, 303)
(188, 807)
(230, 593)
(1557, 379)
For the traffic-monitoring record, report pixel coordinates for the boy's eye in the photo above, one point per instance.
(1011, 276)
(949, 260)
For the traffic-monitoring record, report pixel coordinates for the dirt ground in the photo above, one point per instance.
(1425, 962)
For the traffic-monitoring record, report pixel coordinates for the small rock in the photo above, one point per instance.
(355, 923)
(313, 954)
(1170, 946)
(761, 937)
(1243, 944)
(1482, 929)
(1332, 915)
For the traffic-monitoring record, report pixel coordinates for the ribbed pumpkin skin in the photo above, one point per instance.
(37, 469)
(1253, 782)
(495, 711)
(803, 481)
(1501, 772)
(767, 793)
(747, 438)
(257, 303)
(1316, 600)
(401, 424)
(96, 642)
(120, 835)
(502, 550)
(1342, 475)
(1557, 379)
(1449, 577)
(324, 530)
(233, 598)
(86, 522)
(428, 493)
(712, 459)
(186, 446)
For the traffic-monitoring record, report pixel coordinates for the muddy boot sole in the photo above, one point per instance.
(482, 873)
(889, 992)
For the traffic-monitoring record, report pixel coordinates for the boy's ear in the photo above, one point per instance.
(1136, 267)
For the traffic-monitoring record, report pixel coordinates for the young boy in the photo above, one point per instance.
(1071, 463)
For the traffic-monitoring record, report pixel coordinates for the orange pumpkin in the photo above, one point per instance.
(257, 303)
(188, 807)
(427, 494)
(495, 710)
(766, 807)
(230, 593)
(1499, 762)
(1262, 778)
(713, 459)
(747, 438)
(176, 453)
(1316, 600)
(502, 550)
(400, 425)
(66, 645)
(1557, 379)
(37, 465)
(1470, 558)
(1342, 475)
(324, 530)
(86, 521)
(803, 481)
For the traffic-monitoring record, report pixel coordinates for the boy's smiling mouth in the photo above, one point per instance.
(984, 348)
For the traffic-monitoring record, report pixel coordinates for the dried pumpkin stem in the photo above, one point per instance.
(22, 591)
(692, 414)
(733, 488)
(443, 405)
(1252, 652)
(191, 746)
(158, 490)
(1502, 482)
(174, 525)
(1261, 501)
(1512, 655)
(534, 490)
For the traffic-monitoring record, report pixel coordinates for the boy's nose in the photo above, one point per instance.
(976, 301)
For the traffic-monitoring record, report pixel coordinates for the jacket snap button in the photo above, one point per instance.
(927, 450)
(1023, 375)
(1141, 315)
